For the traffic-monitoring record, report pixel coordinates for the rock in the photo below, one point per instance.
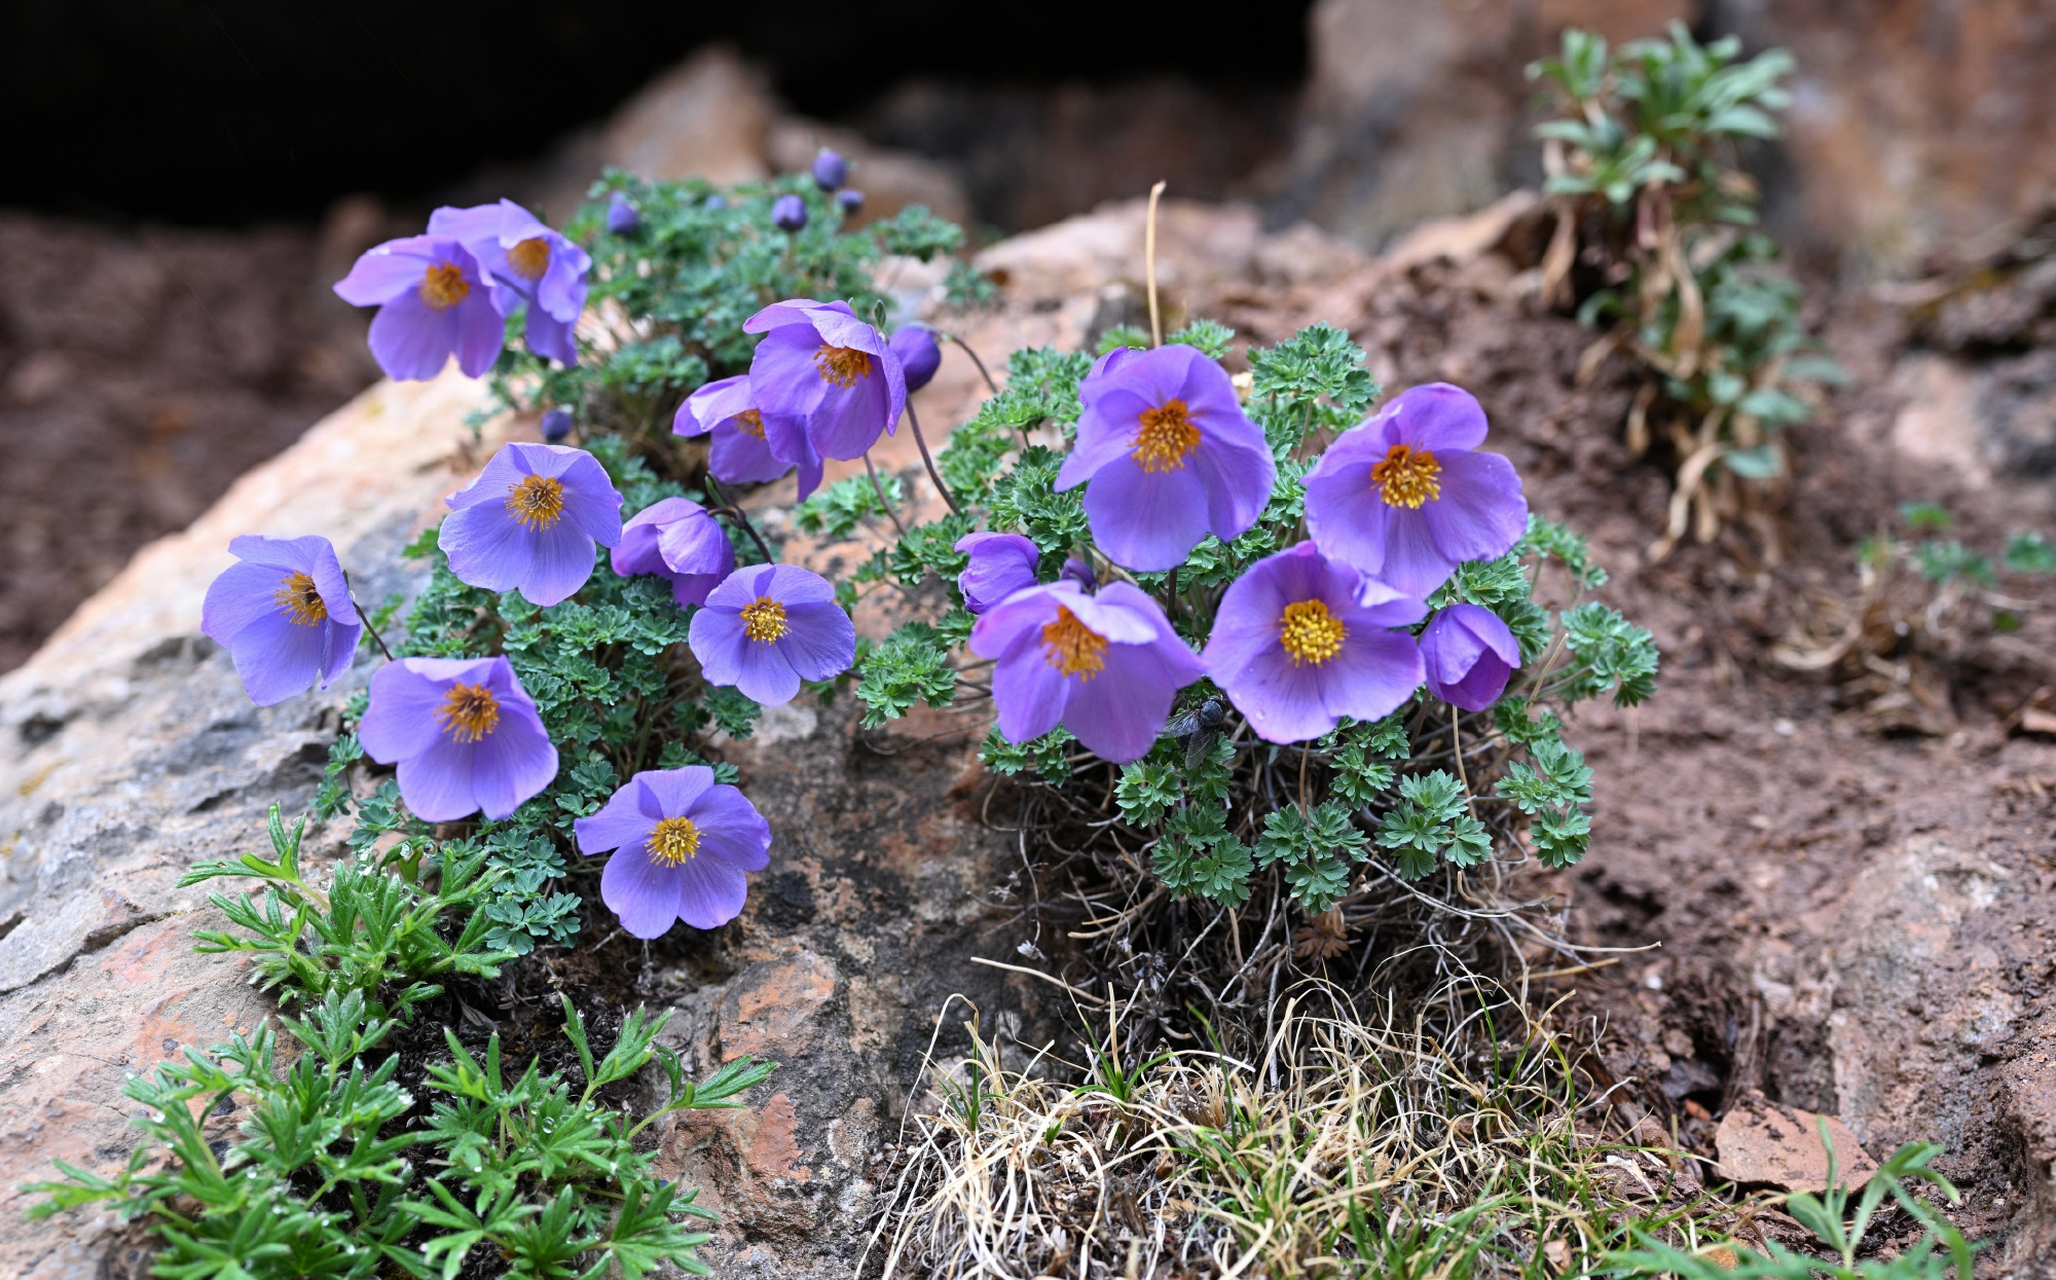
(1764, 1143)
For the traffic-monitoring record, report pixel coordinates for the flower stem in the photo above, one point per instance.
(990, 385)
(929, 461)
(736, 513)
(878, 487)
(1156, 327)
(376, 638)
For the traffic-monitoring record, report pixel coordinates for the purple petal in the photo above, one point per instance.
(717, 640)
(637, 551)
(743, 587)
(1028, 693)
(550, 337)
(764, 674)
(412, 341)
(674, 793)
(640, 892)
(1118, 713)
(711, 405)
(1019, 617)
(1412, 562)
(385, 272)
(1438, 416)
(1282, 698)
(710, 892)
(1479, 688)
(1481, 512)
(738, 457)
(732, 829)
(1237, 475)
(512, 764)
(783, 376)
(1374, 674)
(821, 641)
(278, 658)
(400, 720)
(479, 335)
(618, 824)
(437, 783)
(1106, 433)
(1122, 613)
(488, 548)
(1146, 522)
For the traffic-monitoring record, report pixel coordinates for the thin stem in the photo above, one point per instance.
(376, 638)
(929, 461)
(990, 385)
(737, 513)
(878, 487)
(1156, 327)
(1456, 746)
(1303, 753)
(1172, 601)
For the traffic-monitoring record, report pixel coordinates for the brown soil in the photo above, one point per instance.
(140, 373)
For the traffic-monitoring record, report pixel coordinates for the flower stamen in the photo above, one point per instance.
(764, 620)
(536, 502)
(842, 365)
(1406, 477)
(674, 841)
(1164, 438)
(469, 712)
(443, 286)
(750, 423)
(530, 258)
(1310, 633)
(1073, 648)
(299, 599)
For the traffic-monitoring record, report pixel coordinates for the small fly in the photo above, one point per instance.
(1197, 729)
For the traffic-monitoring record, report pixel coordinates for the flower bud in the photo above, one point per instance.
(830, 170)
(850, 199)
(918, 353)
(557, 422)
(622, 218)
(1080, 572)
(716, 202)
(789, 213)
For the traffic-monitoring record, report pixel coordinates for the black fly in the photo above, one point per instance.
(1196, 730)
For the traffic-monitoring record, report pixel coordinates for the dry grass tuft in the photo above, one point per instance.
(1343, 1149)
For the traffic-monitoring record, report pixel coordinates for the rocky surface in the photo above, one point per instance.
(1857, 925)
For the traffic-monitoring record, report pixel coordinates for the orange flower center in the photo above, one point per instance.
(1073, 648)
(469, 712)
(764, 620)
(1406, 478)
(530, 258)
(750, 422)
(299, 600)
(1164, 438)
(674, 841)
(1310, 633)
(537, 502)
(842, 365)
(443, 286)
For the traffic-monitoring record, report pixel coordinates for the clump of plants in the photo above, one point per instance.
(1656, 243)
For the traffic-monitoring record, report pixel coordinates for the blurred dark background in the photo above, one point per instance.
(233, 112)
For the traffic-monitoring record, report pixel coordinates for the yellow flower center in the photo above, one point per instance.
(764, 620)
(443, 286)
(842, 365)
(1164, 438)
(469, 712)
(530, 258)
(299, 600)
(1406, 478)
(1310, 633)
(1072, 647)
(750, 422)
(537, 502)
(674, 841)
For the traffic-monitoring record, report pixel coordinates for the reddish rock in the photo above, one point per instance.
(1764, 1143)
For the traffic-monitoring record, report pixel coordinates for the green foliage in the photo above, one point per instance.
(1610, 653)
(837, 510)
(1210, 337)
(1316, 849)
(1197, 855)
(1048, 757)
(2029, 553)
(912, 665)
(1431, 820)
(1939, 1252)
(323, 1175)
(965, 288)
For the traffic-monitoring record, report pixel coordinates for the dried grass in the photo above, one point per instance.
(1343, 1148)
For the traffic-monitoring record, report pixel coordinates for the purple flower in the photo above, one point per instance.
(622, 217)
(1302, 640)
(830, 170)
(557, 424)
(1405, 497)
(432, 304)
(770, 626)
(682, 842)
(677, 539)
(738, 453)
(464, 733)
(530, 521)
(1170, 455)
(850, 199)
(526, 261)
(284, 615)
(919, 354)
(1080, 572)
(1468, 653)
(789, 213)
(826, 383)
(1106, 667)
(1001, 564)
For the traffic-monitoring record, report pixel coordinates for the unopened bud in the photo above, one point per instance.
(918, 353)
(789, 213)
(622, 218)
(1078, 571)
(830, 170)
(850, 199)
(556, 424)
